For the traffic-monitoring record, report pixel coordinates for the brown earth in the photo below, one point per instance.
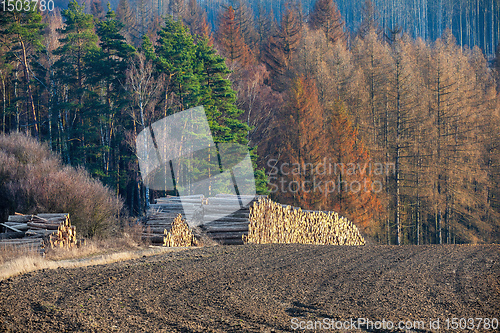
(259, 288)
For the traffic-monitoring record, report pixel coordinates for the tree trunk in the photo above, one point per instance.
(4, 100)
(30, 105)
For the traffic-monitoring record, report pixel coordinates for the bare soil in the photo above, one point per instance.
(258, 288)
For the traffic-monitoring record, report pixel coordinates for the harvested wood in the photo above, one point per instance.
(233, 228)
(47, 226)
(19, 226)
(228, 235)
(65, 237)
(226, 219)
(179, 234)
(11, 235)
(153, 238)
(10, 227)
(41, 230)
(217, 209)
(39, 233)
(271, 222)
(19, 218)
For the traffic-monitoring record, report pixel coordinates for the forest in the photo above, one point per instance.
(386, 112)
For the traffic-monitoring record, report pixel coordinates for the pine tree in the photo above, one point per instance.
(108, 68)
(326, 16)
(77, 42)
(24, 31)
(174, 55)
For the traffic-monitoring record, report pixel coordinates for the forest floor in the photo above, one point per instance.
(261, 288)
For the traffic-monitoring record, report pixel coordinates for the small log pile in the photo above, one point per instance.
(161, 215)
(38, 231)
(179, 235)
(271, 222)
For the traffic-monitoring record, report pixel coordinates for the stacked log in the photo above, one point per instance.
(226, 218)
(179, 235)
(162, 213)
(38, 231)
(271, 222)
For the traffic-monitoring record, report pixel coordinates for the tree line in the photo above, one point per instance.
(472, 22)
(301, 90)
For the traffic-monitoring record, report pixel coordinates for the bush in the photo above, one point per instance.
(33, 180)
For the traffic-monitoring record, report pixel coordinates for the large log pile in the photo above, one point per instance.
(224, 219)
(271, 222)
(38, 231)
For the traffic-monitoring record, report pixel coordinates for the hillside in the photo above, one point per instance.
(265, 288)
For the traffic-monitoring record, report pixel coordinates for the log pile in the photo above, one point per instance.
(271, 222)
(38, 231)
(179, 234)
(225, 219)
(161, 215)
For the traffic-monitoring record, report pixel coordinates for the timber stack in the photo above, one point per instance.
(162, 213)
(179, 235)
(38, 231)
(272, 222)
(225, 219)
(222, 218)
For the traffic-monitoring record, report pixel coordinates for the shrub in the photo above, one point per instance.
(33, 180)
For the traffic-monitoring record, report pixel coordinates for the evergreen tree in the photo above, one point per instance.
(108, 74)
(175, 55)
(24, 31)
(78, 40)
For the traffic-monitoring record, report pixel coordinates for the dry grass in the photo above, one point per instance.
(30, 263)
(271, 222)
(15, 261)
